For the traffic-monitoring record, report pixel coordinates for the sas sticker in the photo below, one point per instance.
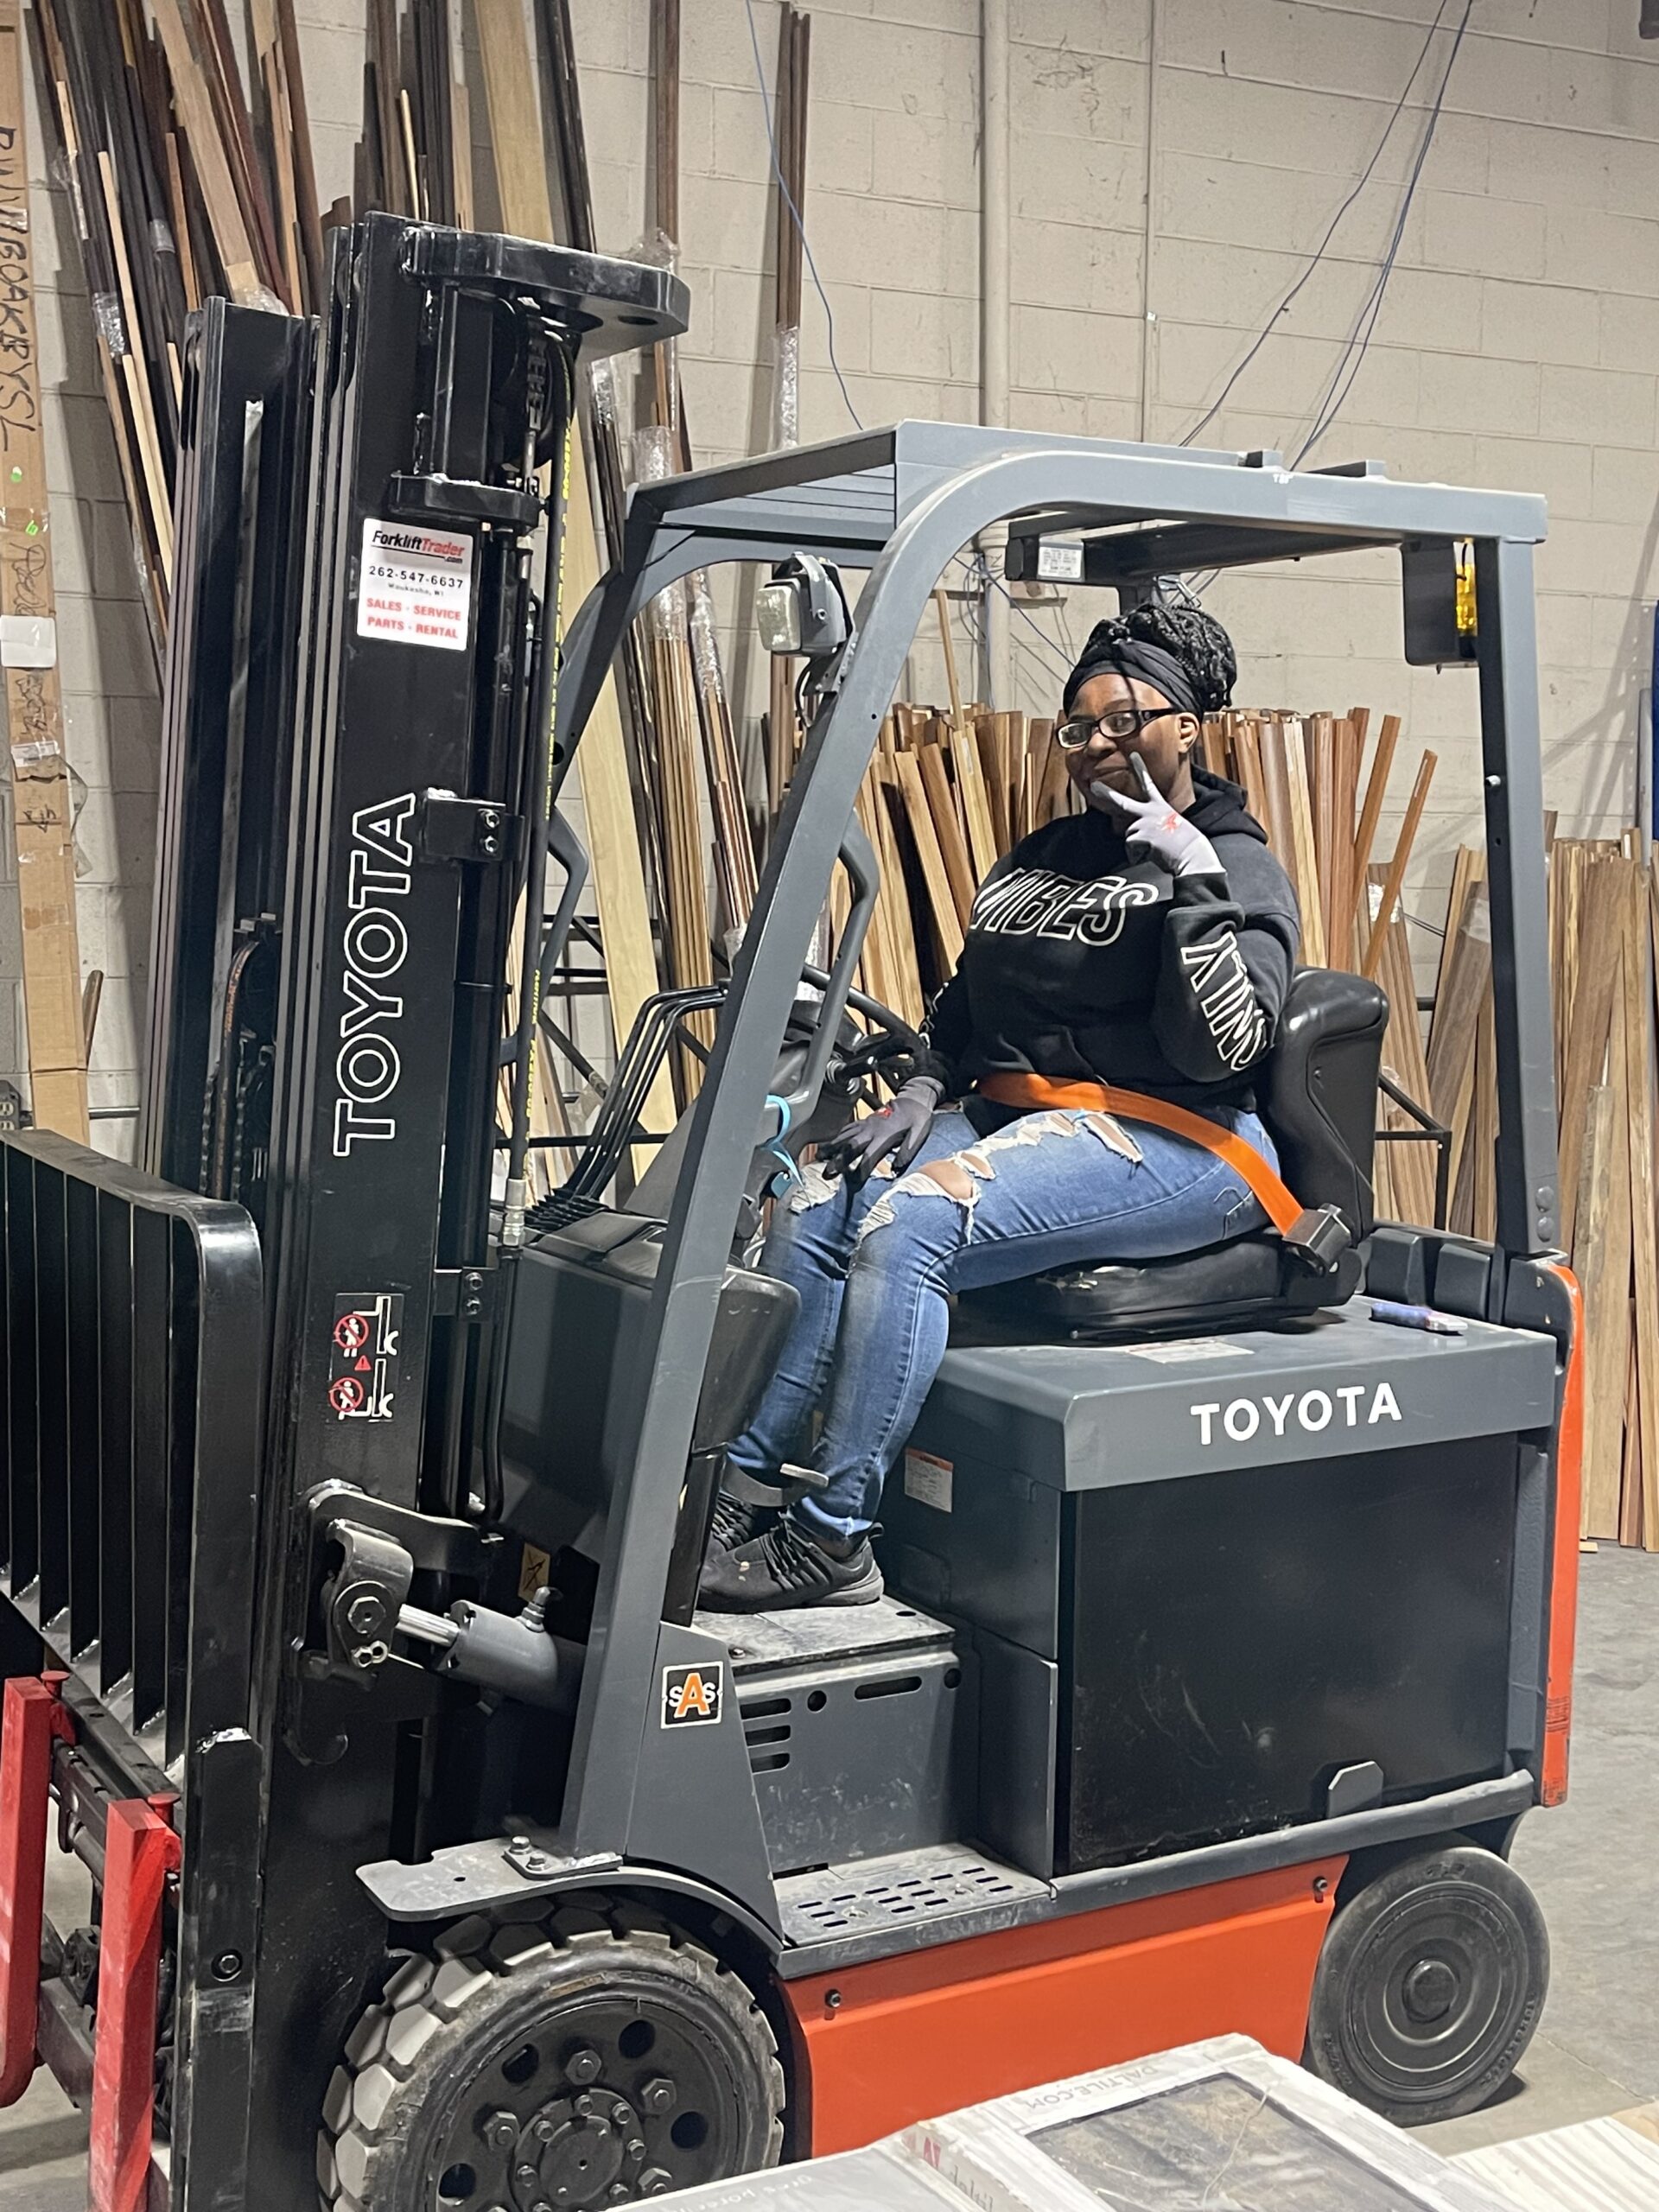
(691, 1694)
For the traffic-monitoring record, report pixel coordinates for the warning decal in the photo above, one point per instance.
(363, 1355)
(414, 587)
(691, 1694)
(930, 1479)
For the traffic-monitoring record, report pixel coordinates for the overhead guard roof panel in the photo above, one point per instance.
(849, 495)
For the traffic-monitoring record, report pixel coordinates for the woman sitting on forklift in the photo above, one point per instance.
(1146, 941)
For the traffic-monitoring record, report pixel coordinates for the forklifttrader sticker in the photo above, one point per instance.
(691, 1694)
(413, 585)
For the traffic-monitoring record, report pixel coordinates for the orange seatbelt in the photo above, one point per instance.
(1282, 1209)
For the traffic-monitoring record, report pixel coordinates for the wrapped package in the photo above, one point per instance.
(1217, 2126)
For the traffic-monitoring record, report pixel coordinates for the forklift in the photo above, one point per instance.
(444, 1857)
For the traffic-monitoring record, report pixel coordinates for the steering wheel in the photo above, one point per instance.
(890, 1038)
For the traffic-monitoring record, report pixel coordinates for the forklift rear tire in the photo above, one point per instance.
(1430, 1984)
(594, 2059)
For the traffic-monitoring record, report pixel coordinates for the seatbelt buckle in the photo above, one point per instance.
(1318, 1237)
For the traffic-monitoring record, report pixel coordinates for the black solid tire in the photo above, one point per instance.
(435, 2046)
(1431, 1982)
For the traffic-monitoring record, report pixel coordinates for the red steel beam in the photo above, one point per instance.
(36, 1718)
(140, 1852)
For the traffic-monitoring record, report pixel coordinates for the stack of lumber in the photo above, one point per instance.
(1603, 900)
(179, 189)
(945, 796)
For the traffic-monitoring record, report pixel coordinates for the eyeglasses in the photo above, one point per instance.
(1121, 722)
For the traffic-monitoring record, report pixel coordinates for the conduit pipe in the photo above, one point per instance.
(995, 135)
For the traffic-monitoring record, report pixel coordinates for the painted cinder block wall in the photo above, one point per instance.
(1517, 343)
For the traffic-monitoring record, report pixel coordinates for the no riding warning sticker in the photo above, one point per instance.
(363, 1354)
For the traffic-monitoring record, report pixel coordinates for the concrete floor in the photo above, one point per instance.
(1594, 1864)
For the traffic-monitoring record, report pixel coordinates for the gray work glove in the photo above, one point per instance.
(896, 1133)
(1160, 832)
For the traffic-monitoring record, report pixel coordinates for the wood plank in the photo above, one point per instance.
(41, 810)
(930, 759)
(1370, 813)
(1638, 984)
(947, 921)
(1602, 1256)
(236, 251)
(1040, 746)
(1457, 1015)
(1247, 749)
(1588, 1028)
(1594, 1203)
(1307, 865)
(1397, 865)
(984, 847)
(1344, 769)
(895, 900)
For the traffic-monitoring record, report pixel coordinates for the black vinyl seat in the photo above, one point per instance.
(1317, 1098)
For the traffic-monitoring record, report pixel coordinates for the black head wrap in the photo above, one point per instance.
(1179, 650)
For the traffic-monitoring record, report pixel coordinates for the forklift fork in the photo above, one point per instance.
(141, 1852)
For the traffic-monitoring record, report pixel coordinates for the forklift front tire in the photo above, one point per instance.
(1429, 1985)
(594, 2059)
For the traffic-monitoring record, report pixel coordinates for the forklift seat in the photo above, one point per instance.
(1317, 1099)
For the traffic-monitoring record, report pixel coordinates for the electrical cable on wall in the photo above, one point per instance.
(1369, 313)
(1364, 179)
(795, 213)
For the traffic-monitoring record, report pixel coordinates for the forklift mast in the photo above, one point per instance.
(353, 775)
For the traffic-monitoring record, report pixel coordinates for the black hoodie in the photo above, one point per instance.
(1084, 961)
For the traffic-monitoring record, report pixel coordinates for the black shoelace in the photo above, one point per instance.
(734, 1522)
(794, 1561)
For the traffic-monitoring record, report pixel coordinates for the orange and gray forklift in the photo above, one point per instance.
(444, 1858)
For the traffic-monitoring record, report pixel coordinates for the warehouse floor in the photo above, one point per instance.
(1593, 1864)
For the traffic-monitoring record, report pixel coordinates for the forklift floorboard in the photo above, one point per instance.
(760, 1642)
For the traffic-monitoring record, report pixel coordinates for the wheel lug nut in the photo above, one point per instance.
(583, 2104)
(620, 2113)
(584, 2064)
(526, 2176)
(544, 2130)
(654, 2180)
(619, 2192)
(658, 2095)
(499, 2129)
(635, 2147)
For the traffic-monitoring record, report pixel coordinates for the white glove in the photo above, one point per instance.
(1160, 832)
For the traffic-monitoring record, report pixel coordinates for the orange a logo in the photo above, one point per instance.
(691, 1695)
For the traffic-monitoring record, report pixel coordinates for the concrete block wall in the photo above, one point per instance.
(1159, 213)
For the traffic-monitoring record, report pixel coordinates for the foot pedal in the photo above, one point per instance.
(792, 1483)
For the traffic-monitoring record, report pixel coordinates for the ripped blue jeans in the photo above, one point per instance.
(875, 1268)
